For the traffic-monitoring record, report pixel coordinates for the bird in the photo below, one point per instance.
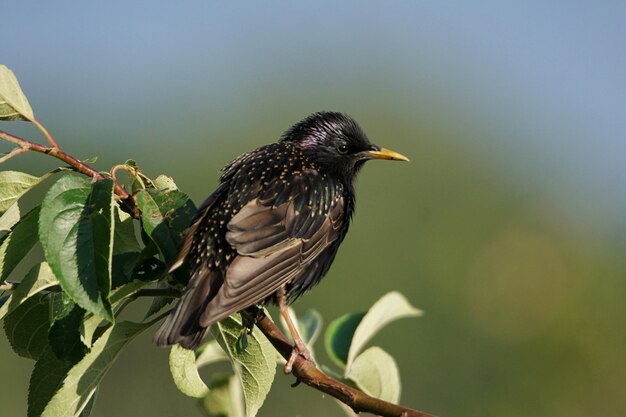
(271, 229)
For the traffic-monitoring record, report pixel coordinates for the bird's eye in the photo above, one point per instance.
(342, 149)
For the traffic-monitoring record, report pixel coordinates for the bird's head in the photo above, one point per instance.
(336, 143)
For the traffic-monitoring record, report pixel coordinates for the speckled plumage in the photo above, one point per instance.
(275, 221)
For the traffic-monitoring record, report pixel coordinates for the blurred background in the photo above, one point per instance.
(507, 228)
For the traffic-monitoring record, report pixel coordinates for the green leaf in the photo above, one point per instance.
(12, 185)
(225, 398)
(18, 243)
(58, 390)
(241, 344)
(45, 380)
(11, 216)
(13, 103)
(89, 406)
(76, 232)
(61, 305)
(376, 373)
(126, 249)
(154, 225)
(209, 353)
(310, 325)
(27, 326)
(339, 335)
(124, 240)
(38, 279)
(65, 335)
(164, 216)
(14, 212)
(165, 183)
(185, 372)
(390, 307)
(89, 328)
(177, 210)
(255, 367)
(123, 267)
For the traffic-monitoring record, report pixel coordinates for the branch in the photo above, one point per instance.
(8, 285)
(306, 371)
(14, 152)
(45, 132)
(25, 145)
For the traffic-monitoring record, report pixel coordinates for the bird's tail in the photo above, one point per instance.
(182, 326)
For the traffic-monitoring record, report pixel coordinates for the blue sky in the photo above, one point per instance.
(549, 78)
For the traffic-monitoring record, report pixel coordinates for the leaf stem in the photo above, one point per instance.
(45, 132)
(132, 171)
(14, 152)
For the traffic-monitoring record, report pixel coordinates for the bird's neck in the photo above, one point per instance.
(349, 197)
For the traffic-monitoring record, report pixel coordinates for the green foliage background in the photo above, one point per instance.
(516, 256)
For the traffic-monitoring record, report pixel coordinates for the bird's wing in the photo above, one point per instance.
(277, 236)
(187, 242)
(182, 326)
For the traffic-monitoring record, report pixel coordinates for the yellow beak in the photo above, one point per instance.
(383, 153)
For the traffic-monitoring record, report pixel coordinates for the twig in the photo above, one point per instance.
(306, 371)
(45, 133)
(8, 286)
(130, 170)
(14, 152)
(126, 199)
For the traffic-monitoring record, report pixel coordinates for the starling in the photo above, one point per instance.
(271, 229)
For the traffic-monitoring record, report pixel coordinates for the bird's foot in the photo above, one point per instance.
(299, 349)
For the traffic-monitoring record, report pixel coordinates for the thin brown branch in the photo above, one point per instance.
(12, 286)
(127, 200)
(14, 152)
(23, 143)
(132, 171)
(45, 133)
(306, 371)
(8, 285)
